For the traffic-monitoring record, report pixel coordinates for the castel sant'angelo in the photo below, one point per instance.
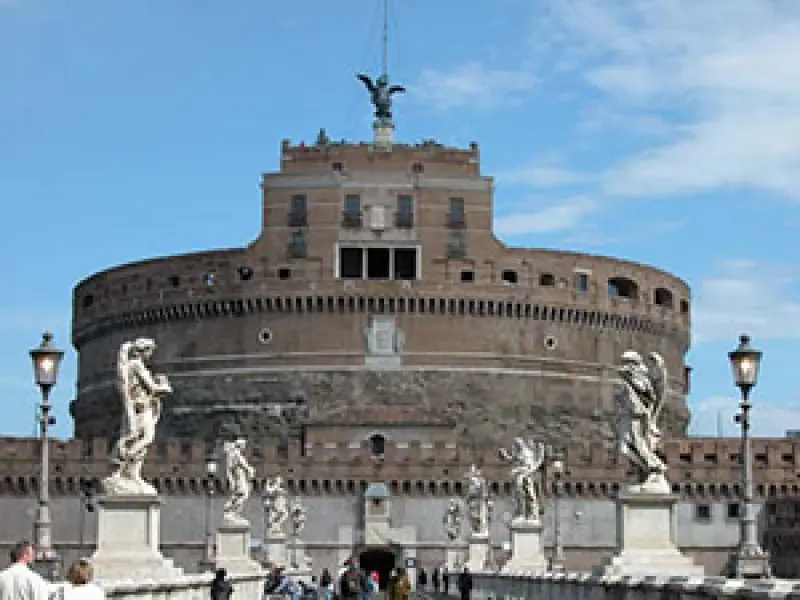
(373, 342)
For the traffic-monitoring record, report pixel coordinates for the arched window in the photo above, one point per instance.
(663, 297)
(377, 445)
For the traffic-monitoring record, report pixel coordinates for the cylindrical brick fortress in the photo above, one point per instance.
(377, 281)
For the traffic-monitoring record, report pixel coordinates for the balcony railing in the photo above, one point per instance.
(404, 220)
(456, 221)
(298, 219)
(351, 219)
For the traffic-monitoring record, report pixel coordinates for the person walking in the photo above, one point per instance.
(18, 581)
(446, 580)
(436, 580)
(422, 580)
(325, 591)
(221, 586)
(402, 587)
(465, 584)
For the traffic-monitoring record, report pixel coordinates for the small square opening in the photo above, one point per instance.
(467, 276)
(510, 276)
(284, 273)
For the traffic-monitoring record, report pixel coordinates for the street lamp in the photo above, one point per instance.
(212, 461)
(46, 361)
(557, 561)
(749, 559)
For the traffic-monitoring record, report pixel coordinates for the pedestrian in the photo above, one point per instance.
(79, 584)
(436, 580)
(446, 580)
(325, 591)
(221, 586)
(422, 579)
(465, 584)
(351, 584)
(18, 581)
(402, 587)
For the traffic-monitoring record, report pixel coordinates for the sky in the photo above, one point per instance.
(662, 131)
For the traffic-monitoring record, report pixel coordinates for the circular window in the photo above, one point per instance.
(550, 342)
(265, 336)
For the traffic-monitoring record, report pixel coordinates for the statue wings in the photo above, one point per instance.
(397, 89)
(659, 377)
(367, 81)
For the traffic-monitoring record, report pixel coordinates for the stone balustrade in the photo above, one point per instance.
(186, 587)
(583, 586)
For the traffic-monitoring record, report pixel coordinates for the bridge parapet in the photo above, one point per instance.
(185, 587)
(583, 586)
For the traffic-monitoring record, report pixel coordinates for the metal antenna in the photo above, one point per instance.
(385, 38)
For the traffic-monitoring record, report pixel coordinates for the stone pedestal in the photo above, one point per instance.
(233, 549)
(276, 551)
(128, 535)
(646, 538)
(527, 550)
(454, 556)
(478, 552)
(750, 563)
(384, 134)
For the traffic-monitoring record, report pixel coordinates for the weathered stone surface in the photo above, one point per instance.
(487, 407)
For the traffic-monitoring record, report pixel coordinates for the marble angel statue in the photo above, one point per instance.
(478, 502)
(526, 458)
(297, 512)
(238, 473)
(141, 393)
(276, 505)
(453, 519)
(641, 399)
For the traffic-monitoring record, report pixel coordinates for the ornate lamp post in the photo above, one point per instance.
(749, 559)
(212, 461)
(46, 362)
(557, 561)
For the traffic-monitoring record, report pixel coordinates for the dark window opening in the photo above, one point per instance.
(510, 276)
(351, 217)
(337, 166)
(663, 297)
(467, 276)
(378, 263)
(547, 279)
(582, 282)
(417, 167)
(377, 445)
(297, 245)
(174, 280)
(734, 510)
(284, 273)
(404, 218)
(351, 263)
(405, 264)
(298, 211)
(245, 273)
(88, 300)
(457, 245)
(702, 512)
(622, 287)
(457, 216)
(684, 306)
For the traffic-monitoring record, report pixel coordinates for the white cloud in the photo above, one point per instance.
(541, 175)
(763, 300)
(714, 415)
(560, 216)
(473, 85)
(725, 74)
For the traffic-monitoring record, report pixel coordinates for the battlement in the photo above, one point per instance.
(428, 156)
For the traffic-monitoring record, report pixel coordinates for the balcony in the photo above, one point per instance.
(404, 220)
(455, 221)
(298, 219)
(352, 219)
(297, 250)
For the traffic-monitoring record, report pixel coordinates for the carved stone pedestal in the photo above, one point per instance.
(233, 549)
(276, 551)
(646, 538)
(454, 556)
(384, 134)
(478, 552)
(527, 550)
(128, 535)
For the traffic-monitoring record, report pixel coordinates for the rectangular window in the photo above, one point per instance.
(378, 263)
(298, 211)
(297, 245)
(510, 277)
(456, 217)
(457, 245)
(734, 509)
(702, 512)
(404, 218)
(351, 263)
(582, 282)
(352, 211)
(405, 264)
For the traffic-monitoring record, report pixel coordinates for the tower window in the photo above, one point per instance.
(405, 264)
(297, 245)
(622, 287)
(351, 263)
(547, 280)
(510, 277)
(456, 216)
(352, 211)
(298, 211)
(467, 276)
(404, 218)
(284, 273)
(379, 263)
(377, 445)
(581, 282)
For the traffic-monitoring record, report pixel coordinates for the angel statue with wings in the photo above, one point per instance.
(453, 517)
(141, 392)
(479, 505)
(642, 396)
(526, 458)
(239, 473)
(381, 95)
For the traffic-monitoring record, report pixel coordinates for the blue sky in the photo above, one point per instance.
(666, 132)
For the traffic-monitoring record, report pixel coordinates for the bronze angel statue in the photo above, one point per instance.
(644, 390)
(381, 95)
